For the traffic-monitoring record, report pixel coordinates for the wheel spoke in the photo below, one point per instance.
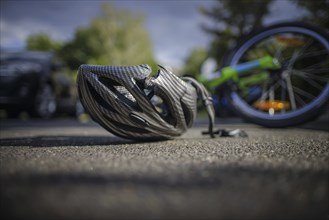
(297, 52)
(271, 94)
(265, 93)
(278, 55)
(283, 94)
(303, 93)
(310, 81)
(313, 54)
(300, 100)
(290, 92)
(309, 75)
(319, 65)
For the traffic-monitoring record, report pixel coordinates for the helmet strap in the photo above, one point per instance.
(208, 104)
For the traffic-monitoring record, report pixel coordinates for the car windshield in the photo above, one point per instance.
(15, 63)
(19, 57)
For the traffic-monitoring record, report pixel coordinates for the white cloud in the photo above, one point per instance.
(281, 11)
(13, 35)
(59, 19)
(10, 36)
(175, 35)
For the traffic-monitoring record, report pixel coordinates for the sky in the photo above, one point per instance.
(173, 25)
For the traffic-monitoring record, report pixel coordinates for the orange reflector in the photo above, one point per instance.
(293, 41)
(276, 105)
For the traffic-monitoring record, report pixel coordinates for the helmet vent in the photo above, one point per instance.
(160, 105)
(99, 99)
(121, 92)
(162, 109)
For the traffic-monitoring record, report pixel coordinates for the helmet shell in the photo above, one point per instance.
(120, 99)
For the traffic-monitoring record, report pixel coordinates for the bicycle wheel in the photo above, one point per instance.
(293, 94)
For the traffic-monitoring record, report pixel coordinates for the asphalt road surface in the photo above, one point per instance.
(62, 169)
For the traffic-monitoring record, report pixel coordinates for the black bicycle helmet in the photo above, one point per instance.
(130, 103)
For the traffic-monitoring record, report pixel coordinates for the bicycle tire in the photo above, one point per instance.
(317, 37)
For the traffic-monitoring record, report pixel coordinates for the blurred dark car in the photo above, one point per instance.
(34, 82)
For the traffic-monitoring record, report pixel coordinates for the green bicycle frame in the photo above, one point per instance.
(233, 72)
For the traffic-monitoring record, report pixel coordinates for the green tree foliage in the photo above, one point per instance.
(42, 42)
(232, 19)
(318, 11)
(194, 61)
(116, 37)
